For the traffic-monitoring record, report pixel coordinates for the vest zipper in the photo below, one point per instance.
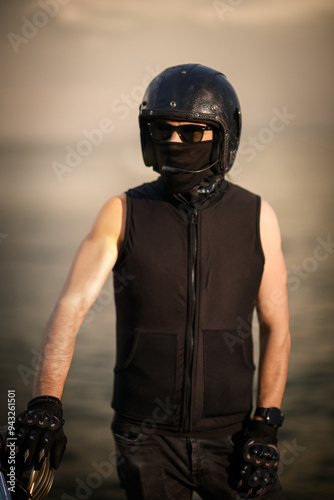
(191, 315)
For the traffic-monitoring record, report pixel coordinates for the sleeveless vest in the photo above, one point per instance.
(183, 315)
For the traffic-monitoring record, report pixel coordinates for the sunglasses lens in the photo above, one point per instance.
(161, 131)
(191, 133)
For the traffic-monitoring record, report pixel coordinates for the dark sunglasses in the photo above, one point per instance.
(162, 131)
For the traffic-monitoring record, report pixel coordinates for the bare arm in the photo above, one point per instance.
(92, 264)
(273, 314)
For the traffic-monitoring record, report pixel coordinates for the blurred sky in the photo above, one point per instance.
(79, 56)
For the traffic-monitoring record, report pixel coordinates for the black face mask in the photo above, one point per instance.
(183, 156)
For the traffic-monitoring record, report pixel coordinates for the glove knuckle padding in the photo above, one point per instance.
(260, 465)
(39, 431)
(264, 455)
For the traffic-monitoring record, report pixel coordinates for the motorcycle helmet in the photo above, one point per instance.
(194, 93)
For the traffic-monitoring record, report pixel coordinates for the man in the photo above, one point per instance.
(201, 253)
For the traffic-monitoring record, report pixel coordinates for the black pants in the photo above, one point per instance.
(154, 467)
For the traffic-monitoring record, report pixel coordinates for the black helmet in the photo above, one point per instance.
(195, 93)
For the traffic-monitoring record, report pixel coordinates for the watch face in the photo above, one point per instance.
(274, 416)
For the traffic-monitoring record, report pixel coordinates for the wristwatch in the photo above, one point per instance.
(272, 416)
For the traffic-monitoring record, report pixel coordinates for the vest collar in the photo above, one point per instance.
(205, 195)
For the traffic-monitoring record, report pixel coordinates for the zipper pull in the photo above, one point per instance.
(194, 216)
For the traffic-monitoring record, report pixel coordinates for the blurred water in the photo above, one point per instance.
(42, 222)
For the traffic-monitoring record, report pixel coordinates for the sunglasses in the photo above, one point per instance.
(189, 133)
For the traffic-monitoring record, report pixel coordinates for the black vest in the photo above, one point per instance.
(190, 283)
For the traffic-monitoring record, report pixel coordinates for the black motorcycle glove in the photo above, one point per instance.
(39, 431)
(260, 459)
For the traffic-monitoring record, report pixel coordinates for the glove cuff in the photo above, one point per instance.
(258, 428)
(50, 404)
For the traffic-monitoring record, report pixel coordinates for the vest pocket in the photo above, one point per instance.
(228, 373)
(145, 382)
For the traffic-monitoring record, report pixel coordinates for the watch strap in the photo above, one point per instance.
(272, 416)
(261, 412)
